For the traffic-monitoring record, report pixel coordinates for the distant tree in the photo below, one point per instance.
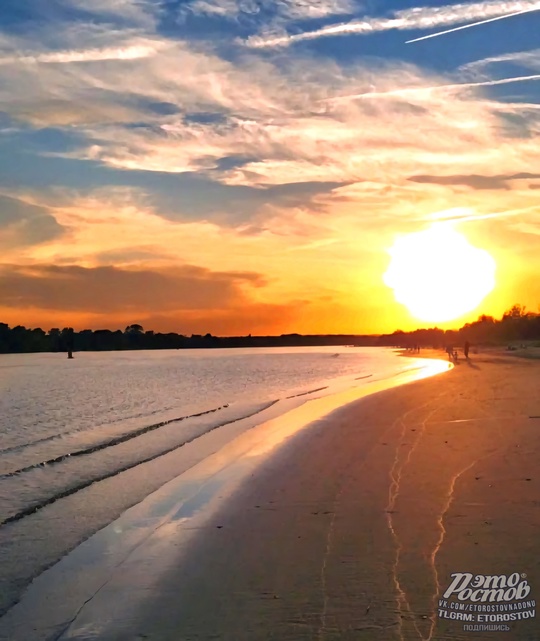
(135, 336)
(54, 339)
(18, 342)
(516, 324)
(516, 311)
(134, 329)
(85, 340)
(37, 340)
(4, 337)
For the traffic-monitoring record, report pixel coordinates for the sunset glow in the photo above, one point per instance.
(229, 167)
(438, 275)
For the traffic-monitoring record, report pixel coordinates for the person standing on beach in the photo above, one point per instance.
(466, 347)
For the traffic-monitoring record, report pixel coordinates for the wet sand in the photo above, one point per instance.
(352, 530)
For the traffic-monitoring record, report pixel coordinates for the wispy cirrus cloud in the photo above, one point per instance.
(138, 13)
(167, 105)
(527, 59)
(416, 18)
(465, 214)
(312, 121)
(129, 52)
(285, 9)
(472, 24)
(408, 91)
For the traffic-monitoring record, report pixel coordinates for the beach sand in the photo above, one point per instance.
(352, 530)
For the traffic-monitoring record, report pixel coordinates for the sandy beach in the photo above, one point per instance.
(354, 528)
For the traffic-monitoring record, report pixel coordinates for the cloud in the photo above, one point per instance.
(288, 122)
(500, 181)
(128, 256)
(256, 122)
(460, 86)
(409, 19)
(472, 24)
(307, 9)
(466, 215)
(23, 224)
(527, 59)
(287, 9)
(139, 13)
(196, 81)
(131, 52)
(111, 289)
(295, 167)
(122, 227)
(253, 120)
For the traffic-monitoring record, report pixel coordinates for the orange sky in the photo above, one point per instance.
(313, 274)
(236, 186)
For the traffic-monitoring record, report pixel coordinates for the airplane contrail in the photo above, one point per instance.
(473, 24)
(474, 217)
(413, 90)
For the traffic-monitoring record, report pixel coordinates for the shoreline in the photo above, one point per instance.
(58, 517)
(361, 544)
(261, 436)
(500, 353)
(353, 529)
(350, 530)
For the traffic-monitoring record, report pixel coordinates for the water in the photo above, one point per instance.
(81, 440)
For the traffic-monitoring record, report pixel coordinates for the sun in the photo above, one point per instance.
(438, 275)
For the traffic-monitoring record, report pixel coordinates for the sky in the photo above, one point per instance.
(245, 166)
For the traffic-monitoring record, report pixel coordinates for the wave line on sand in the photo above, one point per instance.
(311, 391)
(438, 545)
(23, 446)
(117, 440)
(62, 435)
(396, 473)
(442, 535)
(330, 534)
(35, 507)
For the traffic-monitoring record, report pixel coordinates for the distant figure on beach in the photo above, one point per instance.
(466, 348)
(450, 352)
(455, 356)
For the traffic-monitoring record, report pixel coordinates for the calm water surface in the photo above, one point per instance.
(82, 439)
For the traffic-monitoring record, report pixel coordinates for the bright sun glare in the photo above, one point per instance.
(438, 275)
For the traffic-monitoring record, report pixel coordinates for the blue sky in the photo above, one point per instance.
(270, 125)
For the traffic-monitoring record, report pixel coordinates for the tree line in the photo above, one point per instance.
(20, 339)
(516, 325)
